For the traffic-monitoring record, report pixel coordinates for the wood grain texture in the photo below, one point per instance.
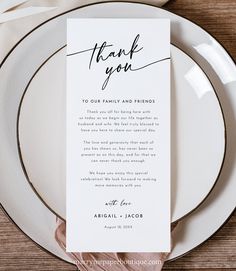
(17, 252)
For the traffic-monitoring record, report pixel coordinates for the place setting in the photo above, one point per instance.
(118, 119)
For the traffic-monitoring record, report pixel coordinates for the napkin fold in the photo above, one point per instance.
(23, 12)
(111, 261)
(6, 4)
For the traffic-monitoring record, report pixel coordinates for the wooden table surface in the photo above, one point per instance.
(18, 252)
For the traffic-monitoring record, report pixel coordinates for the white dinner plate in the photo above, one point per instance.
(197, 133)
(24, 207)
